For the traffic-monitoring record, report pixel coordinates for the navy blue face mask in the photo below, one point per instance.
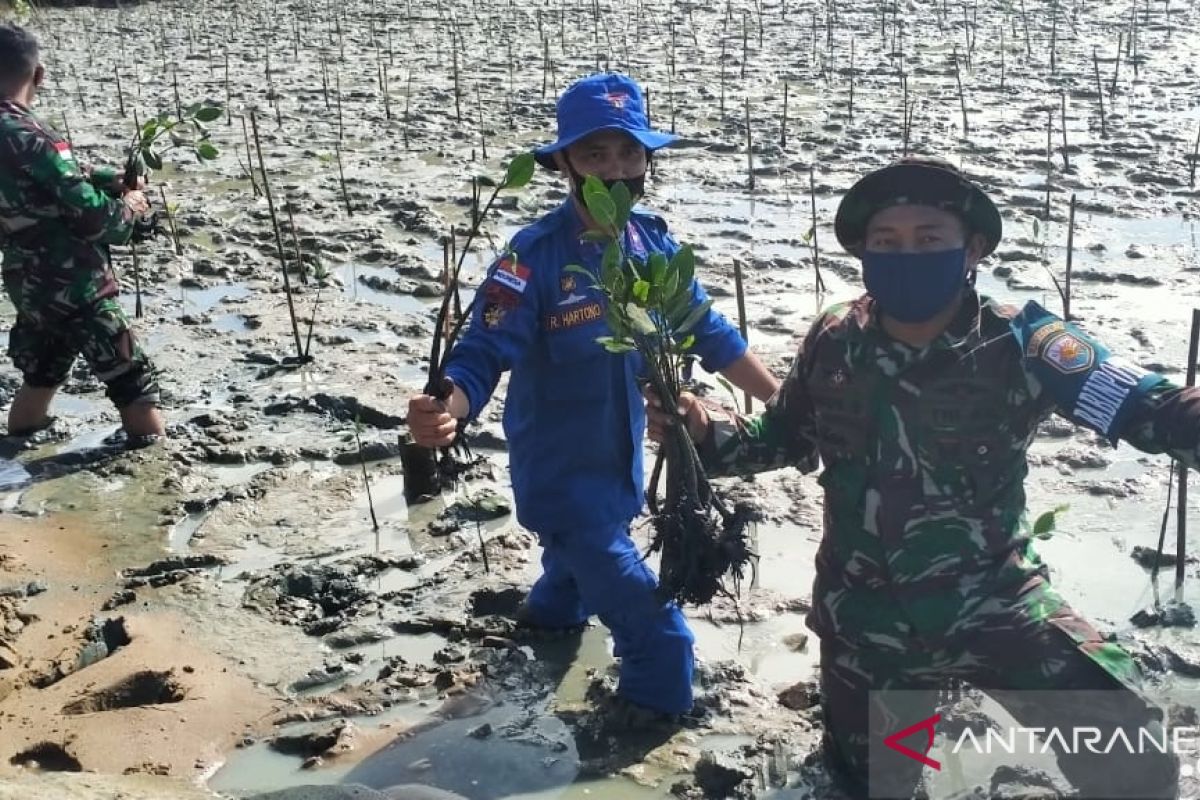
(914, 287)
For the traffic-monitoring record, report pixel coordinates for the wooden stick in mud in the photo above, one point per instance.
(337, 151)
(749, 149)
(120, 94)
(722, 77)
(162, 193)
(745, 42)
(740, 290)
(962, 98)
(1195, 158)
(1099, 94)
(287, 283)
(1054, 38)
(325, 83)
(1002, 65)
(287, 204)
(1181, 507)
(851, 110)
(1117, 69)
(1049, 159)
(407, 104)
(229, 98)
(249, 158)
(784, 123)
(1066, 157)
(812, 194)
(1070, 260)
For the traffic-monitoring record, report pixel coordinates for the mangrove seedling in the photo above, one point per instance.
(362, 462)
(424, 475)
(651, 311)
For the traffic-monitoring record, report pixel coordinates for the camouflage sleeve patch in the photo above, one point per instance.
(1089, 385)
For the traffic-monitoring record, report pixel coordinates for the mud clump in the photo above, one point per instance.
(321, 598)
(146, 688)
(101, 639)
(47, 756)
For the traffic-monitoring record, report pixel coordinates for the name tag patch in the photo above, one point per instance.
(574, 317)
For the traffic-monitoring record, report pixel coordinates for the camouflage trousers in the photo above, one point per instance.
(44, 350)
(865, 692)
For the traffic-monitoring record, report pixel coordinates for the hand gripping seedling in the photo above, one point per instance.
(651, 311)
(425, 475)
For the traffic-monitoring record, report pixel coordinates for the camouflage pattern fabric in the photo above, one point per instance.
(55, 221)
(926, 549)
(100, 333)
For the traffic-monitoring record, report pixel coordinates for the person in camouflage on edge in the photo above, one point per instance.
(922, 398)
(55, 221)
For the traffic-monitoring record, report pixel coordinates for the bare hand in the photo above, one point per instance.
(139, 185)
(136, 202)
(429, 423)
(690, 409)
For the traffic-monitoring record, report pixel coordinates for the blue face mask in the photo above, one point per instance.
(914, 287)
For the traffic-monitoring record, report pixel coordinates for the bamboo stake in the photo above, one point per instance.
(287, 284)
(337, 150)
(812, 194)
(296, 246)
(1099, 94)
(784, 124)
(749, 149)
(962, 98)
(120, 94)
(1066, 157)
(1195, 158)
(1049, 159)
(137, 281)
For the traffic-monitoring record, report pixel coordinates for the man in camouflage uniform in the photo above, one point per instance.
(922, 398)
(55, 223)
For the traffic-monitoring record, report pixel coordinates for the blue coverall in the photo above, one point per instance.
(574, 420)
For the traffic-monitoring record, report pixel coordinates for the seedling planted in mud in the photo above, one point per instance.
(651, 311)
(362, 462)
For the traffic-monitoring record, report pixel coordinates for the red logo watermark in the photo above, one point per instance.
(926, 725)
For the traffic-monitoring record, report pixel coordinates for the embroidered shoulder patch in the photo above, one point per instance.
(512, 274)
(1068, 353)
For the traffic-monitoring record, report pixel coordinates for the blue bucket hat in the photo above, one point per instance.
(606, 101)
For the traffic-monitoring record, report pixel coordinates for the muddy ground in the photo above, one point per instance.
(217, 614)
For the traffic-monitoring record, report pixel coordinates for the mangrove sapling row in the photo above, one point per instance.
(424, 474)
(651, 311)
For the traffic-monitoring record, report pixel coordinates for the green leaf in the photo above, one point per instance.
(578, 270)
(687, 343)
(520, 171)
(658, 269)
(612, 255)
(599, 204)
(684, 261)
(153, 160)
(206, 151)
(641, 290)
(623, 201)
(595, 236)
(691, 319)
(732, 392)
(149, 129)
(639, 319)
(1048, 522)
(808, 235)
(208, 114)
(615, 345)
(484, 180)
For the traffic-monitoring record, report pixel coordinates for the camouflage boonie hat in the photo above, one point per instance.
(921, 181)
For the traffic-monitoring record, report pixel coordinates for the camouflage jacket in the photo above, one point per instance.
(925, 457)
(54, 220)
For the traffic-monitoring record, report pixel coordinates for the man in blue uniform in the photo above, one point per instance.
(574, 416)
